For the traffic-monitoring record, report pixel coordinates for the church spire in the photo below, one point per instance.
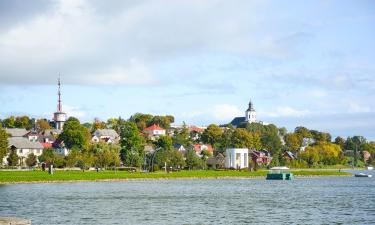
(251, 107)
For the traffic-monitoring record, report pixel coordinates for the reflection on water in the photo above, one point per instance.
(328, 200)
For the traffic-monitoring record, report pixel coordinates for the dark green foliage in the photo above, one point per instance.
(13, 158)
(75, 135)
(132, 144)
(3, 143)
(31, 160)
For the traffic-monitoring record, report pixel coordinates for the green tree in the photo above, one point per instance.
(74, 134)
(182, 136)
(176, 159)
(142, 120)
(13, 158)
(22, 122)
(212, 134)
(132, 145)
(3, 144)
(303, 132)
(47, 155)
(271, 139)
(9, 122)
(31, 160)
(42, 125)
(293, 142)
(192, 160)
(241, 139)
(340, 141)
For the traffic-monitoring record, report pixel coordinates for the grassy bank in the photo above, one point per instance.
(39, 176)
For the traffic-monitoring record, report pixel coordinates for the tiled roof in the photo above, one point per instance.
(106, 132)
(23, 143)
(237, 121)
(16, 132)
(153, 127)
(196, 129)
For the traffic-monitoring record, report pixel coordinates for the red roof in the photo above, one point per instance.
(154, 127)
(47, 145)
(196, 129)
(198, 147)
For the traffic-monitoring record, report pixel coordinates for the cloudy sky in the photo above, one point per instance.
(307, 63)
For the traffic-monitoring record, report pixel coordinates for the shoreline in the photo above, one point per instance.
(163, 179)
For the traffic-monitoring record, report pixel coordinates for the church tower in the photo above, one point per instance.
(250, 114)
(59, 117)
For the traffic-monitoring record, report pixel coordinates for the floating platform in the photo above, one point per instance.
(278, 173)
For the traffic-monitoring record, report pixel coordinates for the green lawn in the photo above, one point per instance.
(39, 176)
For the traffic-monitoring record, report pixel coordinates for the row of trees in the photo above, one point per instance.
(26, 122)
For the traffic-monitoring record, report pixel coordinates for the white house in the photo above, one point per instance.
(154, 131)
(237, 158)
(24, 147)
(106, 135)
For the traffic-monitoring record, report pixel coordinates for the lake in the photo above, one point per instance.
(320, 200)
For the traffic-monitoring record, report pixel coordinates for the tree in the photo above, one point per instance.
(97, 124)
(142, 120)
(31, 160)
(241, 139)
(176, 159)
(105, 155)
(74, 134)
(212, 134)
(42, 125)
(182, 136)
(293, 142)
(303, 132)
(3, 144)
(324, 153)
(271, 139)
(282, 131)
(47, 155)
(13, 158)
(162, 121)
(22, 122)
(131, 145)
(9, 122)
(340, 141)
(192, 160)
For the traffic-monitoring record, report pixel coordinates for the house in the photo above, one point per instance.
(195, 132)
(105, 135)
(237, 158)
(262, 157)
(52, 132)
(154, 131)
(198, 148)
(306, 142)
(216, 162)
(289, 156)
(24, 147)
(60, 147)
(16, 132)
(180, 148)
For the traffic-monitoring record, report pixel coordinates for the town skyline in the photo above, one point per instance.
(302, 70)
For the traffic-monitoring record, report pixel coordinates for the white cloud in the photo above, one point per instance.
(74, 111)
(285, 111)
(226, 112)
(357, 108)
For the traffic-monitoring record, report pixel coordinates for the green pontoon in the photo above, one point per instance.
(279, 173)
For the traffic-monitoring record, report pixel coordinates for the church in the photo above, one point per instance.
(250, 117)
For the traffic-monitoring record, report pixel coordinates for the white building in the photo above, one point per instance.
(154, 131)
(250, 117)
(237, 158)
(24, 147)
(105, 135)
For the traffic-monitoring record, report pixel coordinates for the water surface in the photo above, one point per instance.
(324, 200)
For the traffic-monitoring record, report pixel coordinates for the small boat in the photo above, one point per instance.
(279, 173)
(362, 175)
(369, 168)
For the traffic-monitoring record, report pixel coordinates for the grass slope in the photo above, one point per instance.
(39, 176)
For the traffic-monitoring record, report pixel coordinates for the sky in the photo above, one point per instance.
(302, 63)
